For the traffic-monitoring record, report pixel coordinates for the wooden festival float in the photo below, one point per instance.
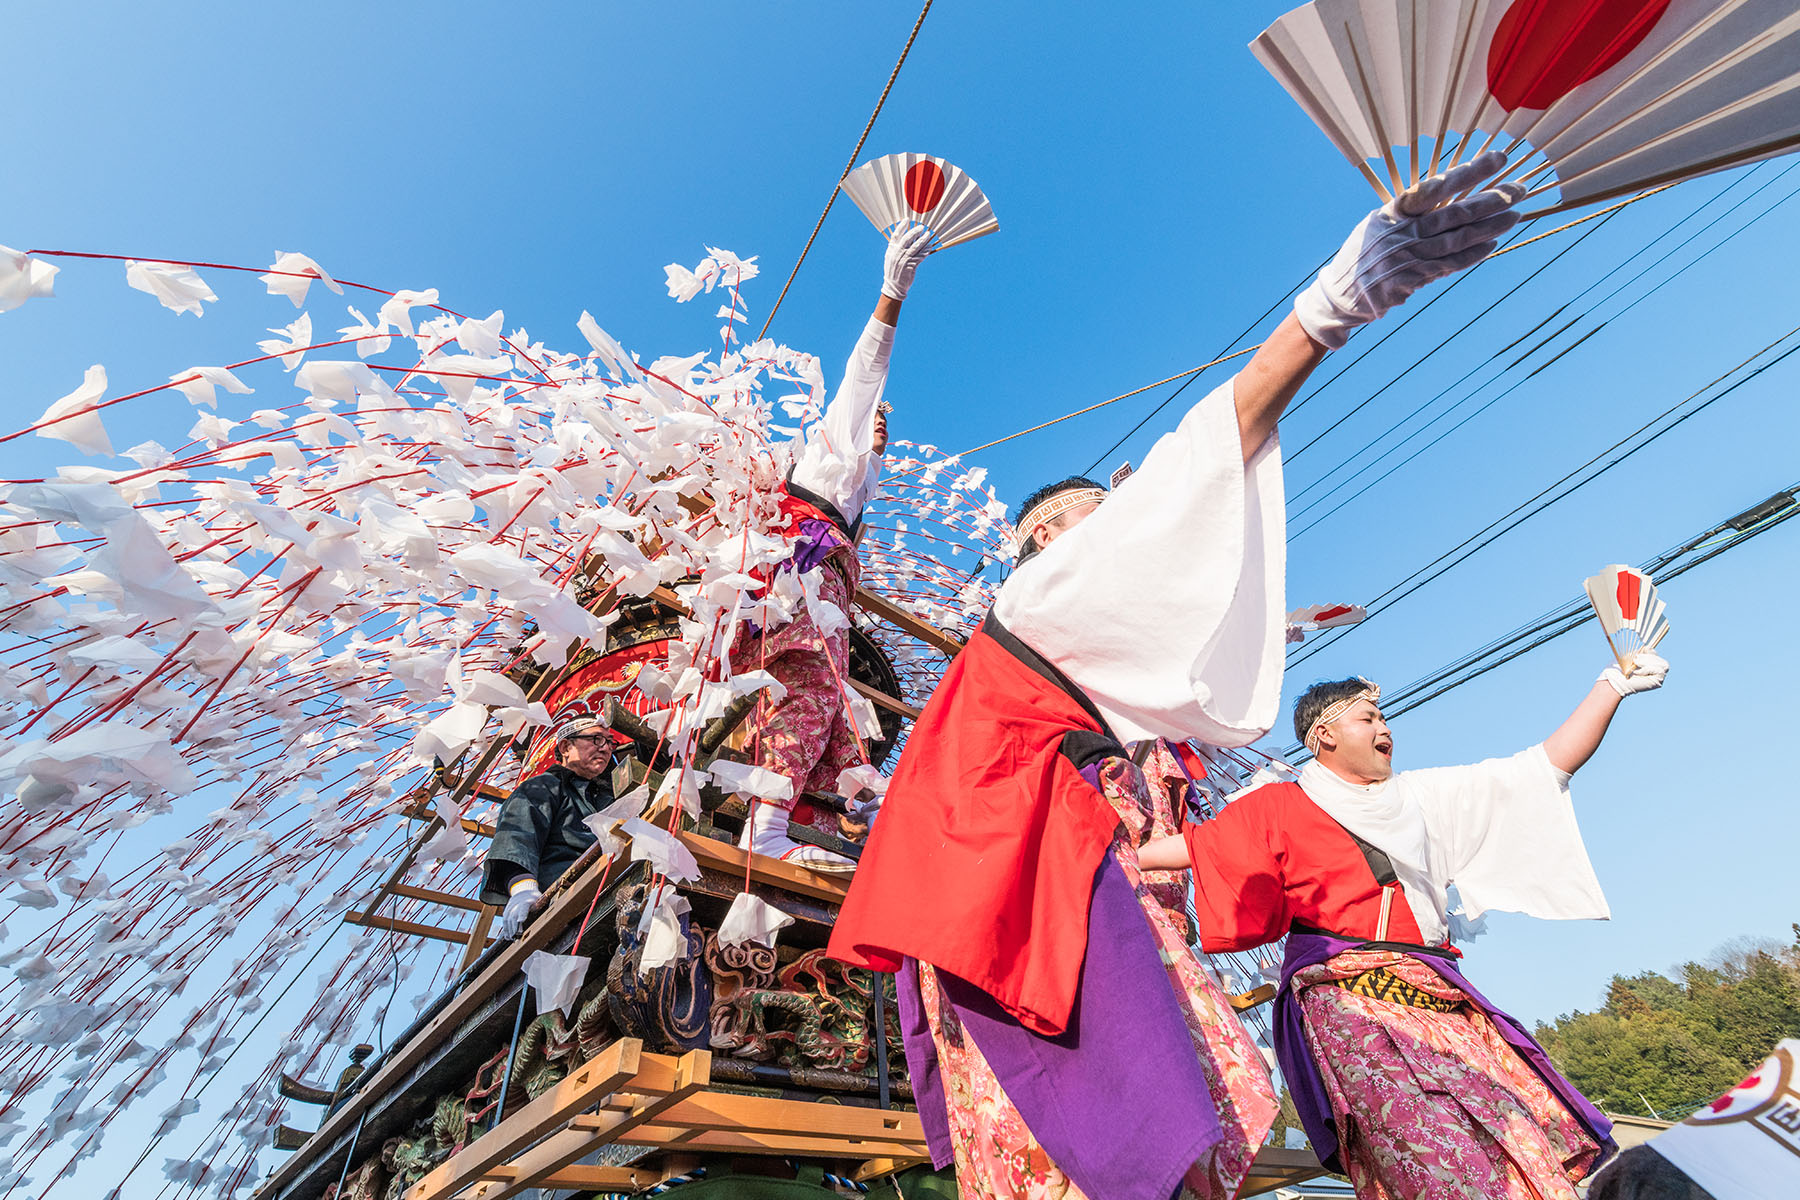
(730, 1052)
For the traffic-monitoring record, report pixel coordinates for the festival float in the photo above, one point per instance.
(337, 619)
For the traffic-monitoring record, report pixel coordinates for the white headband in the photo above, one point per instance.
(1370, 692)
(1048, 510)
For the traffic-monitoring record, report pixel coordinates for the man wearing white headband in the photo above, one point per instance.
(1035, 961)
(807, 735)
(1405, 1077)
(540, 832)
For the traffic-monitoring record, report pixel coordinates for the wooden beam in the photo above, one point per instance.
(883, 700)
(784, 1145)
(661, 1082)
(732, 1113)
(469, 824)
(588, 1177)
(448, 899)
(566, 906)
(892, 613)
(414, 928)
(668, 599)
(478, 937)
(581, 1088)
(722, 856)
(1276, 1167)
(1255, 996)
(885, 1166)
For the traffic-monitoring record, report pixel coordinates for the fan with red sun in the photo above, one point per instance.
(1631, 614)
(1594, 98)
(903, 190)
(1315, 617)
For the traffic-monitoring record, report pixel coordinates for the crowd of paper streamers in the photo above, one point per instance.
(225, 663)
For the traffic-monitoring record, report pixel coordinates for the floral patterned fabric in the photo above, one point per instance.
(996, 1156)
(807, 736)
(1432, 1105)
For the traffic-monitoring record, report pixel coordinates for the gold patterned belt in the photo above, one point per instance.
(1383, 984)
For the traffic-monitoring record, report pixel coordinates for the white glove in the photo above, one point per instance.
(1405, 244)
(518, 907)
(902, 259)
(1648, 670)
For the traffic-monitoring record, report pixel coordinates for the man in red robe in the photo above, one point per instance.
(1405, 1077)
(1042, 998)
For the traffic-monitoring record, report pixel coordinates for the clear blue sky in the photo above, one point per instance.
(1156, 192)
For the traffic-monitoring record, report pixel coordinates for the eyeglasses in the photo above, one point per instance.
(589, 737)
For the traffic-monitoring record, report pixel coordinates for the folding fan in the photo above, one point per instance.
(1631, 614)
(1595, 97)
(903, 190)
(1315, 617)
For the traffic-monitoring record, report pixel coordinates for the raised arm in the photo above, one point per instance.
(839, 460)
(1576, 739)
(1396, 250)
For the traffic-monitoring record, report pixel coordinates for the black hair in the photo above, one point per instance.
(1072, 483)
(1319, 697)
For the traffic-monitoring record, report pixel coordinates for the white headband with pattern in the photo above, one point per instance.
(1371, 692)
(1048, 510)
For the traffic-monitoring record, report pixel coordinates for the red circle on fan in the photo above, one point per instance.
(1545, 49)
(924, 185)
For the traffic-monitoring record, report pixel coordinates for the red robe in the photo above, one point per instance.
(983, 860)
(1273, 860)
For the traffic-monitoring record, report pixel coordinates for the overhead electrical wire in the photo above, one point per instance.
(1537, 503)
(1598, 214)
(1604, 217)
(1670, 564)
(1338, 487)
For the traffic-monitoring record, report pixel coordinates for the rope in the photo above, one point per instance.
(1190, 375)
(848, 166)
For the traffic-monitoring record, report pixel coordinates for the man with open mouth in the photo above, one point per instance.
(1405, 1077)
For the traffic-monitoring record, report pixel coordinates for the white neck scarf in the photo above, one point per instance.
(1503, 831)
(1390, 818)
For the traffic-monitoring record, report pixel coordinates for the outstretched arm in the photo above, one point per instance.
(1396, 250)
(839, 459)
(1271, 380)
(1575, 741)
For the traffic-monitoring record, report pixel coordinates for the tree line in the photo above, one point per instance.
(1663, 1044)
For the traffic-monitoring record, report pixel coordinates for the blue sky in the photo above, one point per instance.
(1156, 192)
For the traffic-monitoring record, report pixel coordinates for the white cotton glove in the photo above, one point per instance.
(1648, 670)
(1405, 244)
(902, 259)
(518, 907)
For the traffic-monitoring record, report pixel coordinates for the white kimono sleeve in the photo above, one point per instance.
(1504, 832)
(1166, 605)
(837, 459)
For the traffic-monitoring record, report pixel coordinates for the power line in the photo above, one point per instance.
(1670, 564)
(1535, 372)
(1529, 508)
(1242, 334)
(1695, 211)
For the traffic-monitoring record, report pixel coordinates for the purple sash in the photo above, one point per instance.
(1119, 1100)
(1308, 1085)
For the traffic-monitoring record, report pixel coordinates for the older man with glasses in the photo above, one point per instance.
(540, 832)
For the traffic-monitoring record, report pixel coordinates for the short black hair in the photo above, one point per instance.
(1321, 696)
(1072, 483)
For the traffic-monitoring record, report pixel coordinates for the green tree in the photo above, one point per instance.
(1671, 1043)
